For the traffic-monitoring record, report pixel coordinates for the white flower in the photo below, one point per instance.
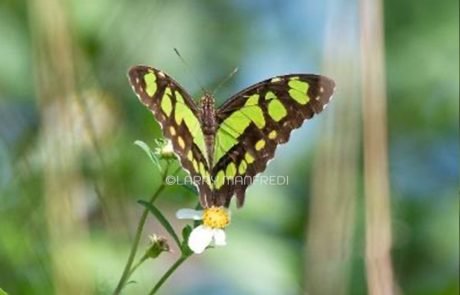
(215, 219)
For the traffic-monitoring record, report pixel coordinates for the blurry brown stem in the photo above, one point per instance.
(140, 226)
(380, 278)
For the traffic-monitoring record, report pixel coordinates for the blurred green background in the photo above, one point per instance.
(70, 175)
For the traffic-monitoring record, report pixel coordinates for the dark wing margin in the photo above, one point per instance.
(177, 114)
(271, 109)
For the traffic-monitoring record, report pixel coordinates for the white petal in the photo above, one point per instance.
(200, 238)
(219, 237)
(189, 214)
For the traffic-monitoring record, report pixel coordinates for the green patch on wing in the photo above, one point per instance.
(235, 125)
(166, 104)
(224, 142)
(150, 83)
(298, 91)
(184, 113)
(276, 110)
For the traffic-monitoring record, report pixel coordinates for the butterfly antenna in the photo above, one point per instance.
(190, 71)
(230, 76)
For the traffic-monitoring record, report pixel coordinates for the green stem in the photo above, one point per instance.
(133, 269)
(140, 226)
(168, 273)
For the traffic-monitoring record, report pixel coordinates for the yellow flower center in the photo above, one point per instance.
(216, 217)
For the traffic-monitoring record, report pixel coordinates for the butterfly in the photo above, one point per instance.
(224, 148)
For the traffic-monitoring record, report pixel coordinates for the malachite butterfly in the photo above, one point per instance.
(224, 148)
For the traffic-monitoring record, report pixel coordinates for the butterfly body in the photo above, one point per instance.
(208, 123)
(224, 148)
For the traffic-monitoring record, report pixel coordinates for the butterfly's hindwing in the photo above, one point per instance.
(178, 116)
(253, 122)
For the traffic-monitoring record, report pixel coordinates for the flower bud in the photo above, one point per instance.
(165, 150)
(157, 246)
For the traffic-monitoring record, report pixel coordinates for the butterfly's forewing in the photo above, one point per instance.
(253, 122)
(178, 116)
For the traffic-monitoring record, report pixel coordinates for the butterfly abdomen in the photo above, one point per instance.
(208, 124)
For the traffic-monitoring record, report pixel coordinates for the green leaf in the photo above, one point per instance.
(3, 292)
(162, 219)
(198, 206)
(152, 156)
(186, 231)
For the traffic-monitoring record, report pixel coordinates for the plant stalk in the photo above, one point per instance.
(168, 273)
(140, 226)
